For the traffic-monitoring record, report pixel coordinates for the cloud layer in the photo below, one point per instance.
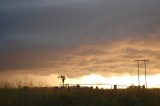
(79, 37)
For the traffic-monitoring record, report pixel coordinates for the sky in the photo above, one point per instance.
(45, 38)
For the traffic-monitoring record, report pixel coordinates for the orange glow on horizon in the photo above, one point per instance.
(52, 80)
(153, 81)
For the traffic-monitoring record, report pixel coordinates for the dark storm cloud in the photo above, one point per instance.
(43, 33)
(68, 23)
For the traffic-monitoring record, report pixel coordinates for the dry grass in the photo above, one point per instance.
(78, 97)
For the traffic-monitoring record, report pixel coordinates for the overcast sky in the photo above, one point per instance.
(79, 37)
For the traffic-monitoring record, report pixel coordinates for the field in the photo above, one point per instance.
(78, 97)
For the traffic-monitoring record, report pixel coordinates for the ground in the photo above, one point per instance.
(78, 97)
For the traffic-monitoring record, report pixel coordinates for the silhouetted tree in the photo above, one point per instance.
(63, 78)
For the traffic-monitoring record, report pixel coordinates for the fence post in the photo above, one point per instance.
(115, 87)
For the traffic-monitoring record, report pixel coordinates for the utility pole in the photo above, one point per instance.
(145, 66)
(138, 71)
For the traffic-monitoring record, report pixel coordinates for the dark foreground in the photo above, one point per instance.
(78, 97)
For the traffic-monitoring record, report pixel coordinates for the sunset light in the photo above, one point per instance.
(87, 41)
(123, 81)
(79, 52)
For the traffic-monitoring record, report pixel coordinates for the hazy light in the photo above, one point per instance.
(121, 81)
(52, 80)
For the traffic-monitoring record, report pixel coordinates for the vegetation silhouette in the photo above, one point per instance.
(63, 78)
(78, 96)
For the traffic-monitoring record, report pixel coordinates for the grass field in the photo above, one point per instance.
(78, 97)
